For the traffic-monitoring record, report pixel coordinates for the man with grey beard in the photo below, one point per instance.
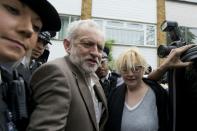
(66, 91)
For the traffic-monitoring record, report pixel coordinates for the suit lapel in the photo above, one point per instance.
(100, 95)
(101, 98)
(86, 95)
(99, 92)
(84, 91)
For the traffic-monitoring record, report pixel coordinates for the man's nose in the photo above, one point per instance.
(95, 50)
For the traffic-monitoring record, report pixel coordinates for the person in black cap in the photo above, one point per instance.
(39, 55)
(48, 14)
(108, 79)
(41, 52)
(20, 23)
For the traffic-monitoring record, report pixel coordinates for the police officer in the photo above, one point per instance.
(41, 51)
(39, 55)
(20, 23)
(108, 79)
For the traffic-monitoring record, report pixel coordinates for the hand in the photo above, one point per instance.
(173, 59)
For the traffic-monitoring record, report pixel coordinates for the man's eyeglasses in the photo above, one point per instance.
(135, 69)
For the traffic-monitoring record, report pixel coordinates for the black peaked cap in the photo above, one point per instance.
(47, 12)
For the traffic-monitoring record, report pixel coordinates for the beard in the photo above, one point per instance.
(81, 63)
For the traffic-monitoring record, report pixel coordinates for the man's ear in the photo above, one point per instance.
(67, 45)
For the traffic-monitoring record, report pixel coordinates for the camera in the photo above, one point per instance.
(182, 82)
(175, 36)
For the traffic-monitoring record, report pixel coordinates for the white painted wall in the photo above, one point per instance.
(131, 10)
(72, 7)
(183, 13)
(56, 50)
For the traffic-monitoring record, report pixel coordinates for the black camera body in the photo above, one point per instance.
(175, 36)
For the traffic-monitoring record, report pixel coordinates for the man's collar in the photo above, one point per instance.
(107, 76)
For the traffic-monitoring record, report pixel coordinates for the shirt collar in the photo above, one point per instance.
(106, 77)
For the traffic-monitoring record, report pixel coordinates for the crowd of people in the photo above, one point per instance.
(77, 91)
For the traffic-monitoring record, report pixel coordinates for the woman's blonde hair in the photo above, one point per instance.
(130, 59)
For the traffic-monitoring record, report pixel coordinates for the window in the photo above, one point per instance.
(191, 35)
(187, 34)
(150, 35)
(194, 1)
(115, 23)
(65, 20)
(125, 36)
(122, 32)
(99, 22)
(129, 33)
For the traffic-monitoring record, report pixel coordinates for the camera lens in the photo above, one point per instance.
(164, 50)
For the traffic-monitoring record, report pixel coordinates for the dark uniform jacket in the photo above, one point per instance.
(13, 101)
(111, 82)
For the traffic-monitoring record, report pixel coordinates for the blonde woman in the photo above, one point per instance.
(139, 104)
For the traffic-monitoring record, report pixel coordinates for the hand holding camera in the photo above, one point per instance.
(178, 52)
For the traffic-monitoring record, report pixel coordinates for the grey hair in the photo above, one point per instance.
(76, 25)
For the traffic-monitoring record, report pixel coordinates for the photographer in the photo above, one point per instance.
(172, 51)
(39, 55)
(41, 51)
(181, 68)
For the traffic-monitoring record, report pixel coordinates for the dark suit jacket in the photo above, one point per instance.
(116, 104)
(63, 100)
